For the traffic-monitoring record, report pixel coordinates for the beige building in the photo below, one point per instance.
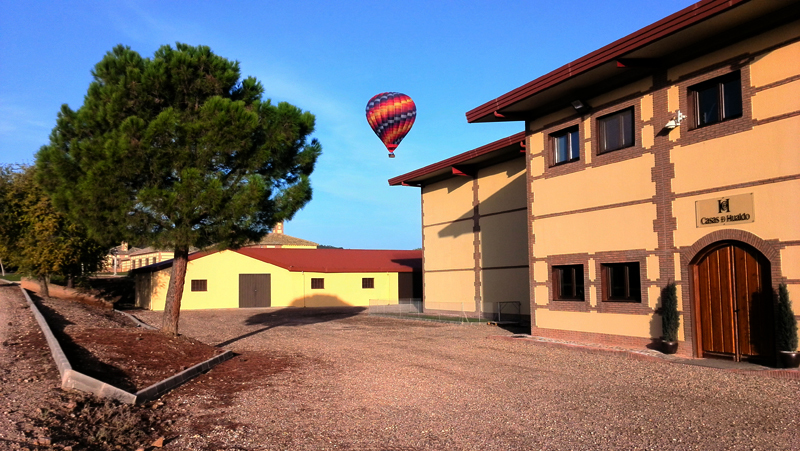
(670, 155)
(475, 256)
(127, 259)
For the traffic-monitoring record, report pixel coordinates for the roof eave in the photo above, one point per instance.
(674, 23)
(419, 176)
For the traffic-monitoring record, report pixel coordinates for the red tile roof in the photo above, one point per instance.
(321, 260)
(338, 260)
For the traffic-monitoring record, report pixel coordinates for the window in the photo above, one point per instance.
(147, 261)
(200, 285)
(616, 130)
(621, 282)
(717, 100)
(317, 284)
(368, 282)
(566, 145)
(568, 282)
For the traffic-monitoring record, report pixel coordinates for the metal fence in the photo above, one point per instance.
(450, 312)
(412, 308)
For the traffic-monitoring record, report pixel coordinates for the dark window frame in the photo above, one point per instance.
(199, 284)
(630, 274)
(604, 120)
(576, 290)
(574, 154)
(367, 282)
(317, 283)
(718, 84)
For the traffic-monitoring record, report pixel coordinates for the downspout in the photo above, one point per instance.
(304, 289)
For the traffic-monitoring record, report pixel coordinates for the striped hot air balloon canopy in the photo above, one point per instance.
(391, 115)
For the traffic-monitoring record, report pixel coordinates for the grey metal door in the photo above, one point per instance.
(255, 290)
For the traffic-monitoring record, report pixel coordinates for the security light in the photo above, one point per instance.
(675, 121)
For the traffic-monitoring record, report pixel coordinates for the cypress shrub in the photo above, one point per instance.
(670, 321)
(785, 322)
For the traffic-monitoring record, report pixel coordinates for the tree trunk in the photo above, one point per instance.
(1, 267)
(70, 282)
(172, 309)
(44, 289)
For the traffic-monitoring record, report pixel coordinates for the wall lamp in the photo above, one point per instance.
(675, 121)
(580, 107)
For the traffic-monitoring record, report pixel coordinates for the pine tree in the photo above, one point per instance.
(177, 151)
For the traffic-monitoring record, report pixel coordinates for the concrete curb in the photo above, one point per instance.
(159, 388)
(136, 320)
(71, 379)
(55, 348)
(651, 356)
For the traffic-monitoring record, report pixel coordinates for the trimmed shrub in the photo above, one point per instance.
(785, 322)
(670, 321)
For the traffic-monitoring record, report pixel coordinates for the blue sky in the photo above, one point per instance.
(328, 58)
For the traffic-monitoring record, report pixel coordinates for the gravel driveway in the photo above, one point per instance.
(361, 382)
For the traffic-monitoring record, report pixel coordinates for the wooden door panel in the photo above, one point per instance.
(718, 333)
(726, 300)
(255, 290)
(734, 303)
(704, 301)
(754, 306)
(744, 288)
(716, 341)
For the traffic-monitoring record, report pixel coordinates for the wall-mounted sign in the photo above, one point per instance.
(728, 210)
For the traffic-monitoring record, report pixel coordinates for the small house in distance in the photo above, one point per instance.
(123, 259)
(278, 239)
(275, 277)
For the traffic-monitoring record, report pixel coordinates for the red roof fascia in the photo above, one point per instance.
(460, 158)
(338, 260)
(680, 20)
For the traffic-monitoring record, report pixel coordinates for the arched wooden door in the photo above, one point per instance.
(733, 299)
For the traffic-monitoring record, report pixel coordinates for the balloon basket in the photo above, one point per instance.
(391, 155)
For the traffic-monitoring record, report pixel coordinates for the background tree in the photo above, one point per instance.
(177, 152)
(37, 238)
(8, 222)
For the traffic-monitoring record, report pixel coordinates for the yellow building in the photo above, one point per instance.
(274, 277)
(670, 155)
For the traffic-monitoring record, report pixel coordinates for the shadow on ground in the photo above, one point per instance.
(119, 290)
(294, 317)
(521, 328)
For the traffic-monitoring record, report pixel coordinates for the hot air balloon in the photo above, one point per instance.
(391, 115)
